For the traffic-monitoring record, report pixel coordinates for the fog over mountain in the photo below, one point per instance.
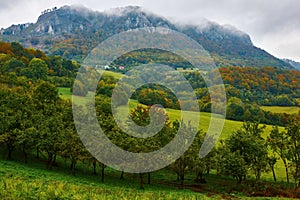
(266, 21)
(72, 31)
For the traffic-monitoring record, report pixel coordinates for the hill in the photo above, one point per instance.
(37, 127)
(293, 63)
(73, 32)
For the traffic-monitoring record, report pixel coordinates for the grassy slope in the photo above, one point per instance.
(33, 181)
(113, 74)
(19, 181)
(282, 109)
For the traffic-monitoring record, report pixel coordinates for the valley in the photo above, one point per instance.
(45, 93)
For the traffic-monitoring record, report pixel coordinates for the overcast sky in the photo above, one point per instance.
(274, 25)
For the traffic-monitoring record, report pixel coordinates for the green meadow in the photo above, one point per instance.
(282, 109)
(32, 181)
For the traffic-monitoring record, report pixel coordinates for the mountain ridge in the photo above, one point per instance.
(72, 31)
(294, 63)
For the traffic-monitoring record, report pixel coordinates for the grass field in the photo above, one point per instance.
(66, 94)
(113, 74)
(282, 109)
(19, 181)
(33, 181)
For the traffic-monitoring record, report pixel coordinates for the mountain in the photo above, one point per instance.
(72, 31)
(293, 63)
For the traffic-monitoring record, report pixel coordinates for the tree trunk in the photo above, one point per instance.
(94, 166)
(257, 176)
(37, 153)
(199, 176)
(122, 175)
(239, 179)
(286, 171)
(273, 172)
(73, 167)
(149, 178)
(50, 162)
(50, 165)
(9, 153)
(296, 178)
(141, 181)
(181, 179)
(25, 155)
(102, 172)
(133, 179)
(178, 177)
(207, 170)
(54, 158)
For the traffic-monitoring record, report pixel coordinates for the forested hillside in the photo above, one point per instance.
(246, 88)
(35, 64)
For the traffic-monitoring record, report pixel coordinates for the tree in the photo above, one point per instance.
(51, 136)
(26, 140)
(50, 122)
(17, 49)
(102, 166)
(186, 161)
(45, 93)
(200, 166)
(235, 109)
(248, 145)
(271, 162)
(141, 116)
(15, 116)
(55, 63)
(232, 164)
(278, 143)
(38, 69)
(293, 134)
(72, 147)
(13, 65)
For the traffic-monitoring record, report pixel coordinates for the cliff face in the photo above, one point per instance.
(73, 31)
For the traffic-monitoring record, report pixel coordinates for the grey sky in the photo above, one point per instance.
(274, 25)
